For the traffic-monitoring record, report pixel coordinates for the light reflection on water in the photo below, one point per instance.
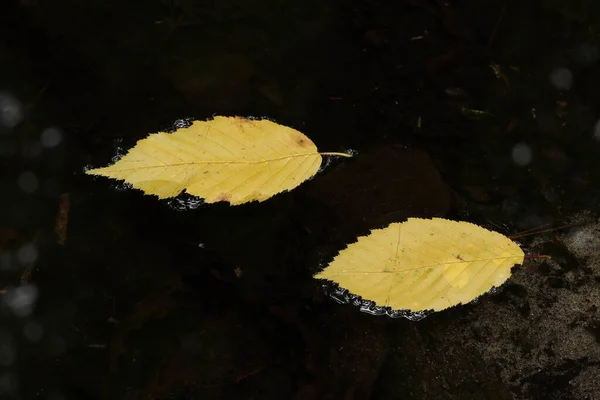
(343, 296)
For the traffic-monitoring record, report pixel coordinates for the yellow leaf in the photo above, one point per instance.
(424, 264)
(230, 159)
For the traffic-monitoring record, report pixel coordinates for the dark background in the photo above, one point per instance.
(483, 111)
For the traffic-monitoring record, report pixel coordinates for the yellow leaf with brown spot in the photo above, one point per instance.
(424, 264)
(231, 159)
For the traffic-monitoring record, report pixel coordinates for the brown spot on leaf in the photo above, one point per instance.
(302, 142)
(222, 197)
(244, 123)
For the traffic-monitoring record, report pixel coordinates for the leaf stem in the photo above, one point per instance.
(336, 154)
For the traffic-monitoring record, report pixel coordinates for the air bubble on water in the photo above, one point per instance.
(253, 118)
(181, 123)
(336, 293)
(51, 137)
(561, 78)
(369, 307)
(9, 383)
(11, 110)
(21, 300)
(493, 290)
(8, 349)
(119, 150)
(410, 315)
(185, 202)
(521, 154)
(33, 331)
(326, 162)
(28, 182)
(121, 186)
(27, 254)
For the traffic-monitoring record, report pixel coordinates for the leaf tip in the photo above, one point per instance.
(92, 171)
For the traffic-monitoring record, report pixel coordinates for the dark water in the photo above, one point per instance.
(480, 111)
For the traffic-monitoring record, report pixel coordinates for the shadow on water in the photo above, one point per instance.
(480, 111)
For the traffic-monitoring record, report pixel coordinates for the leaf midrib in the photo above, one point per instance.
(167, 165)
(426, 266)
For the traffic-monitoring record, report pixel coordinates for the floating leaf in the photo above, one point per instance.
(424, 264)
(230, 159)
